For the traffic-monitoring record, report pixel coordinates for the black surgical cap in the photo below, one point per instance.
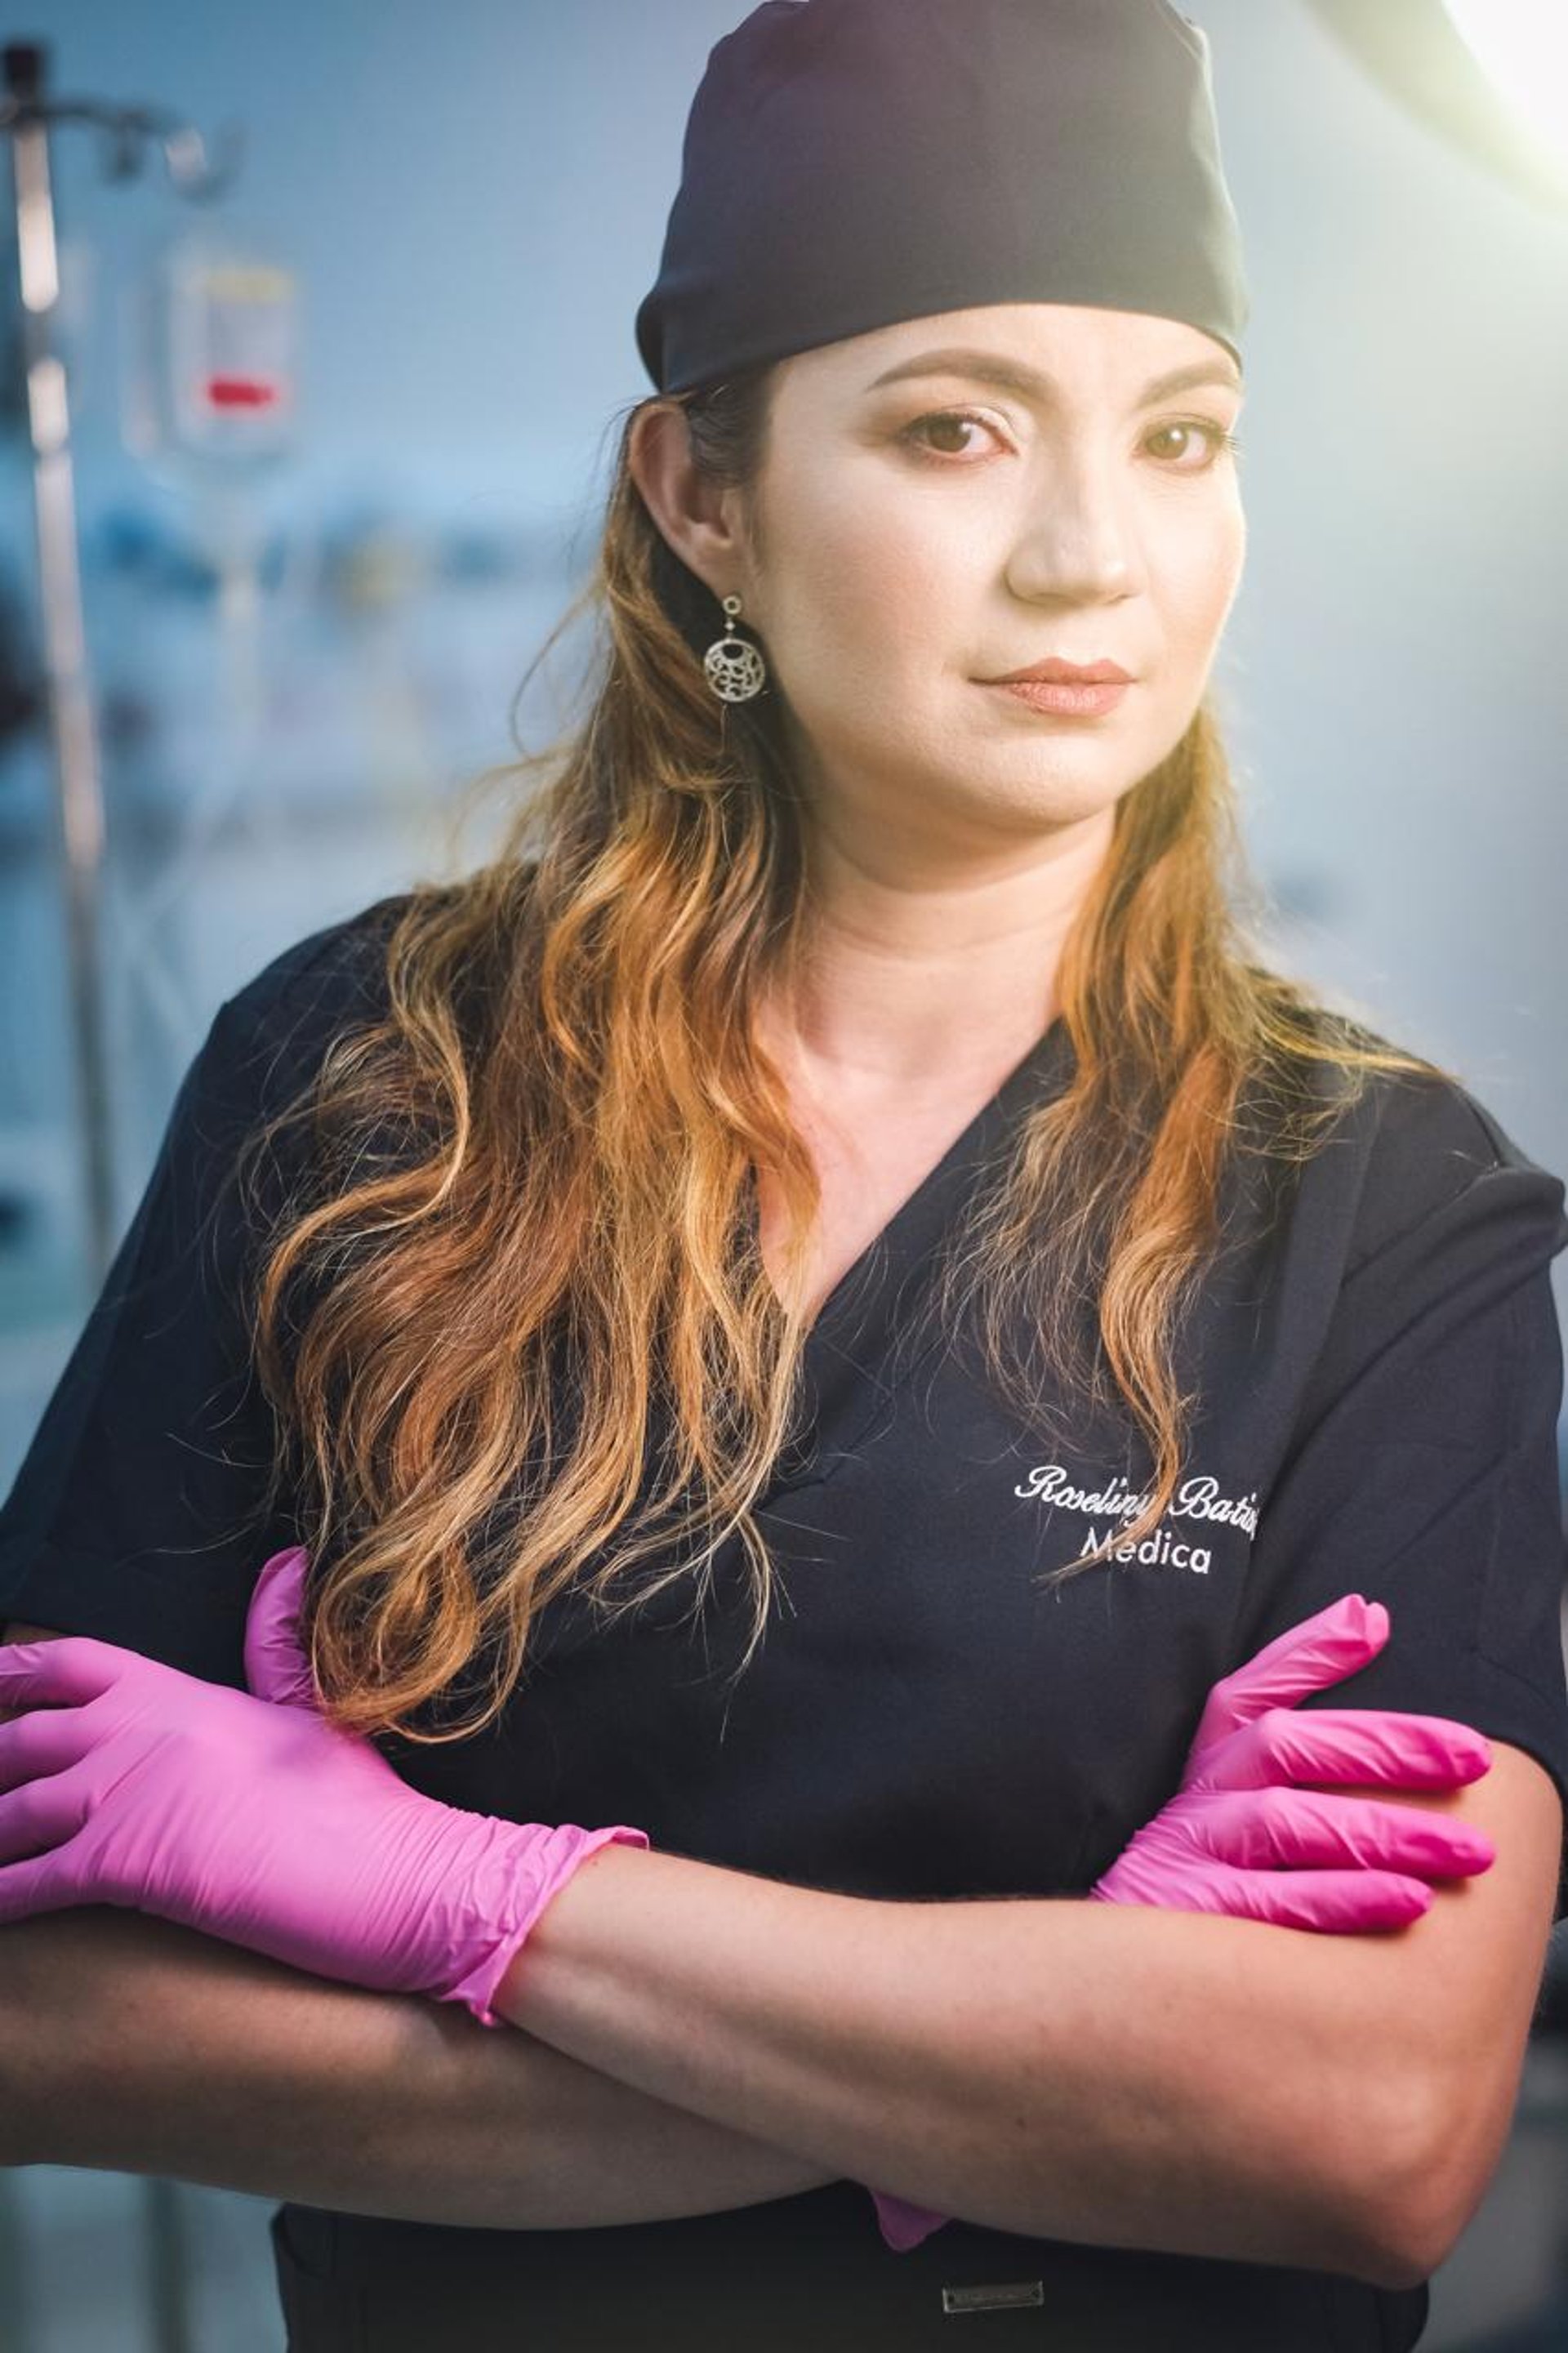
(851, 163)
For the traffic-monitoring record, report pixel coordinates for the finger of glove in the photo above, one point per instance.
(1389, 1747)
(64, 1672)
(1299, 1828)
(40, 1886)
(45, 1740)
(904, 2226)
(1338, 1903)
(1321, 1651)
(41, 1816)
(1342, 1901)
(276, 1667)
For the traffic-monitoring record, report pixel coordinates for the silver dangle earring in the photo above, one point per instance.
(735, 668)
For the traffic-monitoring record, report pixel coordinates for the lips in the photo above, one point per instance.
(1054, 671)
(1067, 697)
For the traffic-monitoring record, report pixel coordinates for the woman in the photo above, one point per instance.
(843, 1160)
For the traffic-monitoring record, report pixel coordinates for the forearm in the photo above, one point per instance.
(1109, 2074)
(130, 2045)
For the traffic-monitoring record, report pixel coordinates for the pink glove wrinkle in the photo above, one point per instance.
(247, 1815)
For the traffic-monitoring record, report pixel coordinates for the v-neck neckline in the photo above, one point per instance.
(919, 1219)
(858, 1352)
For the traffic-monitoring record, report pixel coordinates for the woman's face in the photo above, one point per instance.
(922, 529)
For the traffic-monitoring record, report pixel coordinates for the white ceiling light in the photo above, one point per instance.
(1522, 46)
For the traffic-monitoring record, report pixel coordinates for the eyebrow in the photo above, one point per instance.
(1013, 376)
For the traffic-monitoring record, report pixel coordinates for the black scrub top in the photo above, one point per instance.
(1378, 1365)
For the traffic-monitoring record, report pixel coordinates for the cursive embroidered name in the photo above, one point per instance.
(1197, 1498)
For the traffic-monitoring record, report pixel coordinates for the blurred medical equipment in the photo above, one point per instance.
(27, 113)
(208, 344)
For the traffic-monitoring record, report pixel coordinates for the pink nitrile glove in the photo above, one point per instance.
(1246, 1834)
(247, 1815)
(1242, 1837)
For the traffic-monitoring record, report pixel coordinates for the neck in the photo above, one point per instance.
(909, 982)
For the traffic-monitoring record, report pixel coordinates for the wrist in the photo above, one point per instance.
(517, 1873)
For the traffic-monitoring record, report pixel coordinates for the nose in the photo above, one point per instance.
(1077, 540)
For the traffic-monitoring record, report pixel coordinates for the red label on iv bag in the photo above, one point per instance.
(239, 392)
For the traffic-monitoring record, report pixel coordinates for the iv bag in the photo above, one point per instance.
(210, 341)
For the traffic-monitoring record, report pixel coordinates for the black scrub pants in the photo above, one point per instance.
(803, 2274)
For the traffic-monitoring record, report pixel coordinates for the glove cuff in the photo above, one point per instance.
(529, 1880)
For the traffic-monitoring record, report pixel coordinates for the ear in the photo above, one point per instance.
(276, 1667)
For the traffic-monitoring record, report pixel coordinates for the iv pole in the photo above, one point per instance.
(26, 113)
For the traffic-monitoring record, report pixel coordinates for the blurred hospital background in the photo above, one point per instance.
(312, 591)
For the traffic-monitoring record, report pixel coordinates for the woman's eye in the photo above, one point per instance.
(1214, 438)
(1211, 438)
(951, 420)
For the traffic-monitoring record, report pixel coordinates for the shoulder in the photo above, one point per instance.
(1440, 1160)
(331, 978)
(267, 1043)
(1434, 1151)
(1414, 1158)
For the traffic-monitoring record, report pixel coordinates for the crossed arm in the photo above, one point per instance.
(132, 2044)
(1117, 2074)
(136, 2046)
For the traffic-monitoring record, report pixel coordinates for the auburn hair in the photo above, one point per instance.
(569, 1077)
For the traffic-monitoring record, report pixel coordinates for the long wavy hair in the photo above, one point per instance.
(540, 1336)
